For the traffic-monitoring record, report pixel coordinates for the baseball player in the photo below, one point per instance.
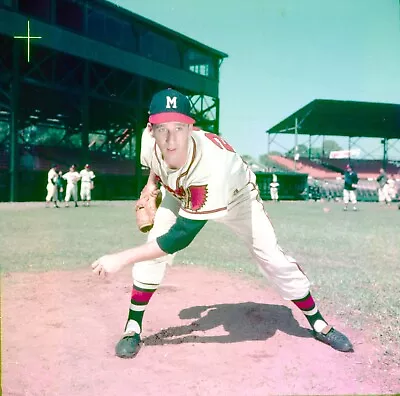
(87, 184)
(51, 187)
(392, 189)
(72, 177)
(60, 186)
(273, 188)
(350, 185)
(384, 187)
(204, 179)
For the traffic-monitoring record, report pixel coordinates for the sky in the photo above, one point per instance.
(282, 54)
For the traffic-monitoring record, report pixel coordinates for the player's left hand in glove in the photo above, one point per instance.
(108, 264)
(146, 207)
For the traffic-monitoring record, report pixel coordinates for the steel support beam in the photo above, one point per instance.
(296, 144)
(85, 114)
(139, 126)
(385, 153)
(216, 121)
(14, 125)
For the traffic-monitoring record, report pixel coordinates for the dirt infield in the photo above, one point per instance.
(206, 333)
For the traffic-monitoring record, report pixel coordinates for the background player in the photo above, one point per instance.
(87, 184)
(383, 187)
(60, 187)
(392, 189)
(204, 179)
(72, 177)
(350, 185)
(273, 188)
(51, 187)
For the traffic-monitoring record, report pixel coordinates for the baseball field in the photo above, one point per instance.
(215, 326)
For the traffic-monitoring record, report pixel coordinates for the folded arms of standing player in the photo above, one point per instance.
(180, 235)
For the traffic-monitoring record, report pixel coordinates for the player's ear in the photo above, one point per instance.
(149, 128)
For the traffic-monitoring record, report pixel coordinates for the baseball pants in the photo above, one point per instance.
(72, 189)
(86, 191)
(274, 193)
(384, 193)
(51, 192)
(349, 196)
(247, 218)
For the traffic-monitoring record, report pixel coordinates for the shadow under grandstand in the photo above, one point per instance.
(115, 177)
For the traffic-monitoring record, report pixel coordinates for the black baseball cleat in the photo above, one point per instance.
(128, 346)
(334, 338)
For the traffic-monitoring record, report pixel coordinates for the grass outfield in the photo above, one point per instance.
(352, 259)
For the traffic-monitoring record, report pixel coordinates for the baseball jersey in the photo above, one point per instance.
(71, 177)
(52, 176)
(350, 178)
(382, 179)
(209, 181)
(87, 176)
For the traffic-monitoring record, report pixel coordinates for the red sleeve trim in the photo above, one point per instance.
(205, 212)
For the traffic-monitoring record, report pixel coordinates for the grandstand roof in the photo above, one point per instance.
(161, 28)
(344, 118)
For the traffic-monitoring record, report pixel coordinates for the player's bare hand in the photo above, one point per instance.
(149, 189)
(109, 264)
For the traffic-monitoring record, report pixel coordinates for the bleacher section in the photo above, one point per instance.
(304, 165)
(4, 160)
(367, 190)
(41, 158)
(333, 168)
(364, 168)
(328, 175)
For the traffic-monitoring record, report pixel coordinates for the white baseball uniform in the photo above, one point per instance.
(216, 184)
(392, 191)
(72, 185)
(86, 184)
(51, 187)
(273, 189)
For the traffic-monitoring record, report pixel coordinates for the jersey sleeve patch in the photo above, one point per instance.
(197, 197)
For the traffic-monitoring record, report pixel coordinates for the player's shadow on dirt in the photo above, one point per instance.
(243, 322)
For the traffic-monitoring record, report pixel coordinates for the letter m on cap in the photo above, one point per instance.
(171, 102)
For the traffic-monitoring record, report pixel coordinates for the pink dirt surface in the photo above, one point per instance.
(223, 335)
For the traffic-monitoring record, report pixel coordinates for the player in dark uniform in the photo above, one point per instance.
(350, 186)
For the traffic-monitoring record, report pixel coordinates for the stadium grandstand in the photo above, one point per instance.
(80, 93)
(341, 118)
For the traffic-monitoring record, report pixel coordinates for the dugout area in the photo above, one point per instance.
(292, 185)
(82, 96)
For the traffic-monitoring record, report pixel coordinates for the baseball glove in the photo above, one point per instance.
(146, 208)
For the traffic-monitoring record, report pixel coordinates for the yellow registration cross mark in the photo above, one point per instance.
(28, 37)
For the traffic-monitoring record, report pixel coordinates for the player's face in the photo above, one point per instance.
(172, 138)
